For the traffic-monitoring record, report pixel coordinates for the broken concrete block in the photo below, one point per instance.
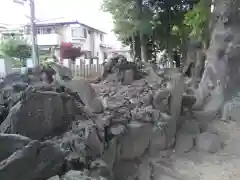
(208, 142)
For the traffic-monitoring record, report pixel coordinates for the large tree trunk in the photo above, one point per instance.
(137, 46)
(223, 68)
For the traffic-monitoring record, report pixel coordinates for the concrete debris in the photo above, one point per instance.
(93, 131)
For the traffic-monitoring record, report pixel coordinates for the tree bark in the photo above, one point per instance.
(144, 47)
(223, 65)
(137, 46)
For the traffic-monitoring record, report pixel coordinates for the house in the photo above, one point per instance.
(14, 33)
(50, 34)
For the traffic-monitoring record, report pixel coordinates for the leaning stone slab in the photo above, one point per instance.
(86, 93)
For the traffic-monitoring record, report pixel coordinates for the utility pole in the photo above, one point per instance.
(35, 56)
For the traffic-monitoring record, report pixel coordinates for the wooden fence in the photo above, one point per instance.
(87, 71)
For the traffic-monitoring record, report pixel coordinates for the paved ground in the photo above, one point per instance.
(224, 165)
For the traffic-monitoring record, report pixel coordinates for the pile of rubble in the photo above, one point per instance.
(72, 129)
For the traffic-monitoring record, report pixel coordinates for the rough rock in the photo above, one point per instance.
(185, 142)
(135, 141)
(95, 146)
(128, 77)
(37, 161)
(112, 153)
(15, 78)
(62, 71)
(86, 93)
(144, 171)
(208, 142)
(37, 116)
(54, 178)
(158, 141)
(11, 143)
(125, 170)
(159, 96)
(191, 127)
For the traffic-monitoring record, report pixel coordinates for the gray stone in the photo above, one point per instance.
(136, 140)
(128, 77)
(86, 93)
(192, 127)
(208, 142)
(112, 153)
(125, 170)
(158, 141)
(185, 143)
(95, 146)
(62, 71)
(159, 96)
(35, 161)
(144, 171)
(54, 178)
(11, 143)
(176, 96)
(15, 78)
(36, 116)
(18, 87)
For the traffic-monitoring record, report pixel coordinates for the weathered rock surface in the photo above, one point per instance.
(37, 116)
(11, 143)
(86, 93)
(35, 161)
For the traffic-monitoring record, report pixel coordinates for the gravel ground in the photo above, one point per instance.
(224, 165)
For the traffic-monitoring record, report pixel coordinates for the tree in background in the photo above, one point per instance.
(16, 49)
(150, 26)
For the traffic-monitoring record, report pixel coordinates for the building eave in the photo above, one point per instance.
(41, 24)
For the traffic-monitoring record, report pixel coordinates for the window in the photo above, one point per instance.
(76, 32)
(101, 37)
(43, 30)
(85, 33)
(48, 30)
(38, 31)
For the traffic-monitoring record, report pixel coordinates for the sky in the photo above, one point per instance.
(86, 11)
